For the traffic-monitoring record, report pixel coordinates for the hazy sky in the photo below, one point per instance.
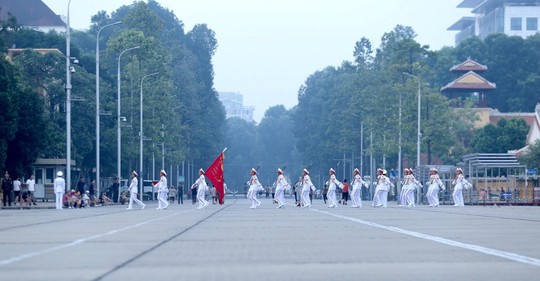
(267, 49)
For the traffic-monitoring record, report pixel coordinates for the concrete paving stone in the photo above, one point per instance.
(234, 242)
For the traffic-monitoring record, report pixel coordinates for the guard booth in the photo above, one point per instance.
(44, 174)
(493, 172)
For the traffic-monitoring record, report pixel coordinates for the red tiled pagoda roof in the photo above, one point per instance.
(469, 65)
(469, 81)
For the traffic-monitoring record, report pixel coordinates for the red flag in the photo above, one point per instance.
(215, 174)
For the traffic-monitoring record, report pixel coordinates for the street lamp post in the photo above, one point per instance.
(97, 108)
(418, 123)
(141, 135)
(68, 102)
(119, 131)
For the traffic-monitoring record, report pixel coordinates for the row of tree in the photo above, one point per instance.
(182, 112)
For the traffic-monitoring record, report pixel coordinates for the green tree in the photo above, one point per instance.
(531, 156)
(506, 135)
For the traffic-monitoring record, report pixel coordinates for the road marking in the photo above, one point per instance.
(82, 240)
(484, 250)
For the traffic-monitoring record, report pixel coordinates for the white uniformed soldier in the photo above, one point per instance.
(59, 189)
(163, 189)
(333, 183)
(356, 194)
(307, 186)
(383, 184)
(254, 187)
(133, 191)
(433, 188)
(281, 184)
(459, 183)
(202, 187)
(410, 187)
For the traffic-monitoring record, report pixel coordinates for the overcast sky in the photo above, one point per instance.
(267, 49)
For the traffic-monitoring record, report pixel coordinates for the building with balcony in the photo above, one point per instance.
(511, 17)
(234, 106)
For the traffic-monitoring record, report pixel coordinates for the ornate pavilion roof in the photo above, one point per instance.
(469, 81)
(469, 65)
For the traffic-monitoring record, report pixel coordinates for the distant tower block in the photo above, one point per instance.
(469, 85)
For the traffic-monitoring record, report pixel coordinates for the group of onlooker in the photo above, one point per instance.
(23, 194)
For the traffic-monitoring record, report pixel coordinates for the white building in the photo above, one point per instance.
(33, 14)
(234, 106)
(511, 17)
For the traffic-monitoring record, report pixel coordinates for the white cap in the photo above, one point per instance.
(279, 171)
(253, 170)
(356, 170)
(201, 170)
(60, 174)
(306, 171)
(135, 173)
(459, 170)
(332, 171)
(163, 172)
(384, 172)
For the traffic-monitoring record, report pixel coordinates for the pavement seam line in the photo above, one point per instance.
(481, 249)
(158, 245)
(82, 240)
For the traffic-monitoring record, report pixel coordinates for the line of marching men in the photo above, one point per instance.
(380, 197)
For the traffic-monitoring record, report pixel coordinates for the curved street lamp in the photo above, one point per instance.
(118, 118)
(97, 108)
(141, 135)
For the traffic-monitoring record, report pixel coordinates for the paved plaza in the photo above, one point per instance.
(234, 242)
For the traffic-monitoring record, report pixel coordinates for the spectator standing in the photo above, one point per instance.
(345, 192)
(180, 193)
(194, 194)
(31, 186)
(59, 189)
(81, 185)
(17, 190)
(325, 193)
(172, 194)
(7, 187)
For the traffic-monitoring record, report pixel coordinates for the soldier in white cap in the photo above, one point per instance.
(59, 189)
(281, 184)
(410, 186)
(307, 187)
(434, 185)
(133, 192)
(254, 187)
(163, 189)
(459, 183)
(403, 192)
(356, 194)
(383, 184)
(202, 187)
(333, 183)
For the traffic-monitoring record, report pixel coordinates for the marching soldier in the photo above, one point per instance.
(356, 194)
(254, 187)
(201, 187)
(133, 191)
(333, 183)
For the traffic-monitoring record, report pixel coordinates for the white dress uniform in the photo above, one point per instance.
(254, 187)
(410, 187)
(333, 183)
(202, 187)
(433, 190)
(162, 193)
(59, 189)
(356, 194)
(307, 186)
(133, 192)
(281, 184)
(457, 195)
(380, 198)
